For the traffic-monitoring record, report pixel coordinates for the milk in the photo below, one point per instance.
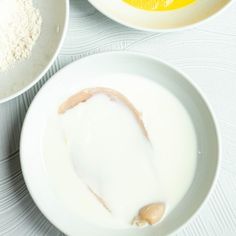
(98, 145)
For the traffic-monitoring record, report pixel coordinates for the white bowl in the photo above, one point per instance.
(22, 76)
(67, 82)
(182, 18)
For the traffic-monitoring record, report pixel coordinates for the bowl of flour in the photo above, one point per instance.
(31, 34)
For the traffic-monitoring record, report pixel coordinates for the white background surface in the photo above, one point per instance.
(207, 54)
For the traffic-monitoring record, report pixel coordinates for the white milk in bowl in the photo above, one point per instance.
(121, 152)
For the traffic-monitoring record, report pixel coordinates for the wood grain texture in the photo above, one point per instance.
(207, 54)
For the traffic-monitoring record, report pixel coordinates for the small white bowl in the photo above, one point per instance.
(160, 21)
(15, 81)
(68, 81)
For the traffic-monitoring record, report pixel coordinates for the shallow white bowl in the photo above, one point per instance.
(68, 81)
(22, 76)
(182, 18)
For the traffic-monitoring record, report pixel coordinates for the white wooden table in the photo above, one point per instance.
(207, 54)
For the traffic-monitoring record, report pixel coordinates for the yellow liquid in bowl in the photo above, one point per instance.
(159, 5)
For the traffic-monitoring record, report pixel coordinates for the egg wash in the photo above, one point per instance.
(159, 5)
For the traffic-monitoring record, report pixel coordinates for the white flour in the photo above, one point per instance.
(20, 25)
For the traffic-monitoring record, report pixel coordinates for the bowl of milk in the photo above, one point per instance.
(129, 147)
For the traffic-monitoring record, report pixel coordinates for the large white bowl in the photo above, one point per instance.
(182, 18)
(22, 76)
(68, 81)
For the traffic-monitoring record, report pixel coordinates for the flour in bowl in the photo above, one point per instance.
(20, 25)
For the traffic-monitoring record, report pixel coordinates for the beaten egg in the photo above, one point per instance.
(159, 5)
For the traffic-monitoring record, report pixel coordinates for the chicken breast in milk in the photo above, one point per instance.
(111, 154)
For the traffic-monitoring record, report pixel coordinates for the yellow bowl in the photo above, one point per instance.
(160, 21)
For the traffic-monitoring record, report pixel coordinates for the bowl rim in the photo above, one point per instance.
(159, 30)
(158, 60)
(49, 64)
